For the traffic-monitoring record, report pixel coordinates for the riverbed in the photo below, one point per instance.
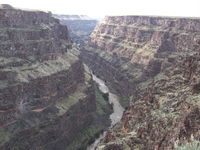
(117, 109)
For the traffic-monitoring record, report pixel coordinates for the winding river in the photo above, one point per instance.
(117, 109)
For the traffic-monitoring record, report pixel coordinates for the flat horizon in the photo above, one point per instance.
(100, 9)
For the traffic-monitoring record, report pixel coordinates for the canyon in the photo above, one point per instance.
(117, 109)
(47, 97)
(80, 26)
(152, 63)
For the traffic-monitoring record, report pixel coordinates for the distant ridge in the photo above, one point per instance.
(80, 26)
(5, 6)
(72, 17)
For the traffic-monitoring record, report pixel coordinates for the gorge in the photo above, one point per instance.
(153, 64)
(117, 108)
(80, 26)
(48, 99)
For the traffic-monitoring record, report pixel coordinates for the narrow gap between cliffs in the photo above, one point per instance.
(117, 108)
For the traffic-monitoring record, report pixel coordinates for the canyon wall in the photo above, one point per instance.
(153, 62)
(130, 50)
(46, 97)
(80, 26)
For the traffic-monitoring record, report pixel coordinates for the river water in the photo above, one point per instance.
(117, 109)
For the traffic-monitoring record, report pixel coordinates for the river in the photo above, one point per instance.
(117, 109)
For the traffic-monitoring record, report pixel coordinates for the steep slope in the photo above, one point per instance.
(153, 61)
(130, 50)
(166, 115)
(46, 97)
(80, 26)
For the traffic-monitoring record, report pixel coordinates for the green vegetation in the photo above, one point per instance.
(124, 102)
(105, 96)
(87, 73)
(101, 118)
(4, 136)
(64, 104)
(86, 137)
(195, 145)
(102, 104)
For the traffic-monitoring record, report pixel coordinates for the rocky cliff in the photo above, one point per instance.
(80, 26)
(153, 62)
(46, 97)
(130, 50)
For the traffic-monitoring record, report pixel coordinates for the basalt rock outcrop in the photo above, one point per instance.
(80, 26)
(166, 115)
(46, 97)
(153, 61)
(129, 51)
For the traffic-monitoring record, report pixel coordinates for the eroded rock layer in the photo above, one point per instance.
(154, 61)
(130, 50)
(45, 97)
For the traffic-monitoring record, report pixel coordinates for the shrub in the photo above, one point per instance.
(106, 96)
(195, 145)
(91, 140)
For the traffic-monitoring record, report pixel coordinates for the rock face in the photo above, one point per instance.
(153, 61)
(45, 97)
(80, 26)
(130, 50)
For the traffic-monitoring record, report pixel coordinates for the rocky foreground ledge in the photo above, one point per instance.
(153, 63)
(46, 98)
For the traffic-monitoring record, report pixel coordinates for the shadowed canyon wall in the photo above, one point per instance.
(153, 62)
(47, 98)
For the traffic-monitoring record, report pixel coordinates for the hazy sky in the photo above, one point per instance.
(100, 8)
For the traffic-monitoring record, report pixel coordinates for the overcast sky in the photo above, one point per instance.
(100, 8)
